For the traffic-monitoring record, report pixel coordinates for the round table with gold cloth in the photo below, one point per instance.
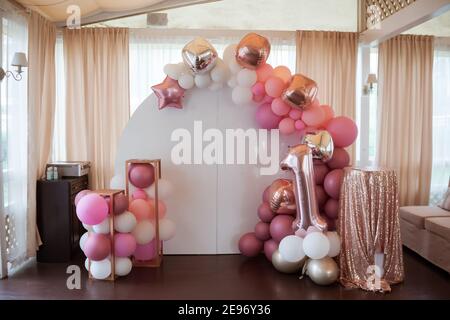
(369, 224)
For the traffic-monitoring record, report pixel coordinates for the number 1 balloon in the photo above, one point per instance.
(317, 145)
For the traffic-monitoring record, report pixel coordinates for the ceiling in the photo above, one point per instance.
(438, 27)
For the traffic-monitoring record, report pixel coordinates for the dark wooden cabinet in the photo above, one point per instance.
(58, 225)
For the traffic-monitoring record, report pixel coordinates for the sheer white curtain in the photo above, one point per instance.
(150, 50)
(14, 141)
(441, 120)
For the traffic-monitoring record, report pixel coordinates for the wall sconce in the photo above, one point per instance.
(371, 81)
(19, 61)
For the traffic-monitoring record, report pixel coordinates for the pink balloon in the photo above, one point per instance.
(331, 223)
(80, 195)
(287, 126)
(332, 208)
(262, 231)
(274, 87)
(313, 116)
(92, 209)
(258, 89)
(142, 209)
(300, 125)
(340, 159)
(270, 246)
(343, 130)
(281, 226)
(264, 212)
(268, 99)
(162, 209)
(97, 246)
(332, 183)
(145, 252)
(314, 103)
(139, 194)
(265, 118)
(320, 171)
(321, 196)
(264, 72)
(283, 73)
(265, 197)
(295, 114)
(250, 245)
(329, 114)
(141, 175)
(120, 203)
(279, 107)
(124, 244)
(301, 233)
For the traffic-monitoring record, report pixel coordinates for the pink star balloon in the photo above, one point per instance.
(169, 94)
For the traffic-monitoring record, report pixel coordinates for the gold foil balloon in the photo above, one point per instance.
(285, 266)
(300, 92)
(323, 271)
(199, 55)
(252, 51)
(282, 196)
(321, 144)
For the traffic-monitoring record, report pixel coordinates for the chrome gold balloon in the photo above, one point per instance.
(321, 144)
(300, 92)
(252, 51)
(199, 55)
(323, 271)
(282, 197)
(285, 266)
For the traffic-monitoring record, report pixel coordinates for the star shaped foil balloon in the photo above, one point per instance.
(169, 94)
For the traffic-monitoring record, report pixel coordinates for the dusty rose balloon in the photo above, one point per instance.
(142, 175)
(124, 244)
(279, 107)
(262, 231)
(287, 126)
(283, 73)
(264, 212)
(329, 114)
(321, 196)
(332, 208)
(320, 171)
(313, 116)
(343, 130)
(250, 245)
(281, 226)
(300, 125)
(295, 114)
(270, 246)
(80, 195)
(331, 223)
(139, 194)
(274, 87)
(145, 252)
(97, 246)
(265, 118)
(332, 183)
(258, 91)
(264, 72)
(340, 159)
(266, 195)
(120, 203)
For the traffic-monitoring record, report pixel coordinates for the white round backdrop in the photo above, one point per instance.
(212, 205)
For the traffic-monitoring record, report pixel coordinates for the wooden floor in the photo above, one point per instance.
(214, 277)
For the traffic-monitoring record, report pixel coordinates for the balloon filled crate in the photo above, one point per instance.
(142, 177)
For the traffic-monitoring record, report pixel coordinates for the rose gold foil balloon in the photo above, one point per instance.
(281, 196)
(169, 94)
(252, 51)
(300, 92)
(321, 144)
(199, 55)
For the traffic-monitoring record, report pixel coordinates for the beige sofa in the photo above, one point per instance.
(426, 230)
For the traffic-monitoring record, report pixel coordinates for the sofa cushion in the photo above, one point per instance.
(439, 226)
(417, 215)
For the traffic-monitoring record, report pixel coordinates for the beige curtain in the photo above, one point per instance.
(97, 95)
(41, 110)
(405, 114)
(330, 58)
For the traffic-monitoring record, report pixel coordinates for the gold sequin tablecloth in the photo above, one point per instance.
(369, 223)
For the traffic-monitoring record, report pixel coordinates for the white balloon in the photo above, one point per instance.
(123, 266)
(241, 95)
(117, 182)
(167, 229)
(335, 244)
(86, 264)
(229, 53)
(186, 81)
(202, 80)
(220, 72)
(232, 82)
(316, 245)
(183, 68)
(102, 227)
(125, 222)
(144, 232)
(88, 227)
(291, 248)
(234, 66)
(215, 86)
(165, 189)
(246, 78)
(172, 70)
(101, 269)
(83, 239)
